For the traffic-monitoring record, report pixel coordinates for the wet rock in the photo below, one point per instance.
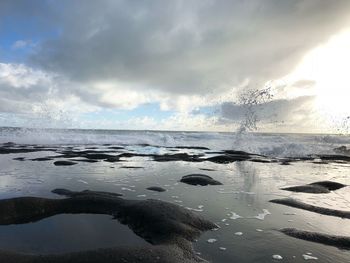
(331, 186)
(131, 167)
(85, 160)
(192, 147)
(199, 179)
(156, 188)
(322, 187)
(285, 163)
(64, 163)
(9, 144)
(335, 158)
(257, 160)
(331, 240)
(41, 159)
(112, 159)
(147, 254)
(229, 157)
(177, 157)
(19, 159)
(169, 227)
(65, 192)
(317, 209)
(314, 189)
(99, 156)
(116, 147)
(6, 150)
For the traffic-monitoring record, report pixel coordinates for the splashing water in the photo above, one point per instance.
(249, 100)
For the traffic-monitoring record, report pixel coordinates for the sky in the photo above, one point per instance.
(176, 65)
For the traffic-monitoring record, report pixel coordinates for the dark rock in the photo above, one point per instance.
(116, 147)
(257, 160)
(85, 160)
(191, 147)
(131, 167)
(169, 227)
(322, 187)
(317, 209)
(65, 192)
(112, 159)
(41, 159)
(233, 152)
(314, 189)
(156, 188)
(64, 163)
(285, 163)
(331, 186)
(335, 158)
(19, 159)
(146, 254)
(331, 240)
(99, 156)
(5, 150)
(228, 158)
(199, 179)
(9, 144)
(207, 169)
(177, 157)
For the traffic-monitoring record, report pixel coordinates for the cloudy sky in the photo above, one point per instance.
(175, 65)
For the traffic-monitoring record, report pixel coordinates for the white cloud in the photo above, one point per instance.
(19, 44)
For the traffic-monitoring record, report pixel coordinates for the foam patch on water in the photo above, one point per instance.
(234, 216)
(308, 257)
(277, 257)
(263, 214)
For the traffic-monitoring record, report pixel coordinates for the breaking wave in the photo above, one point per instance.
(279, 145)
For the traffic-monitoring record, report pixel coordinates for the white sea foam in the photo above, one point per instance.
(279, 145)
(234, 216)
(308, 257)
(277, 257)
(262, 215)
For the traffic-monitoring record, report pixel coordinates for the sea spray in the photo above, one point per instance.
(249, 100)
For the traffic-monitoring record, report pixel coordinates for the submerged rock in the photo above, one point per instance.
(322, 187)
(199, 179)
(156, 188)
(317, 209)
(332, 240)
(64, 163)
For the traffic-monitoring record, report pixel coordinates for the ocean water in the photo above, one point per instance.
(248, 222)
(277, 145)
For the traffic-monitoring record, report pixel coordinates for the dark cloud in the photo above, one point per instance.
(187, 46)
(171, 48)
